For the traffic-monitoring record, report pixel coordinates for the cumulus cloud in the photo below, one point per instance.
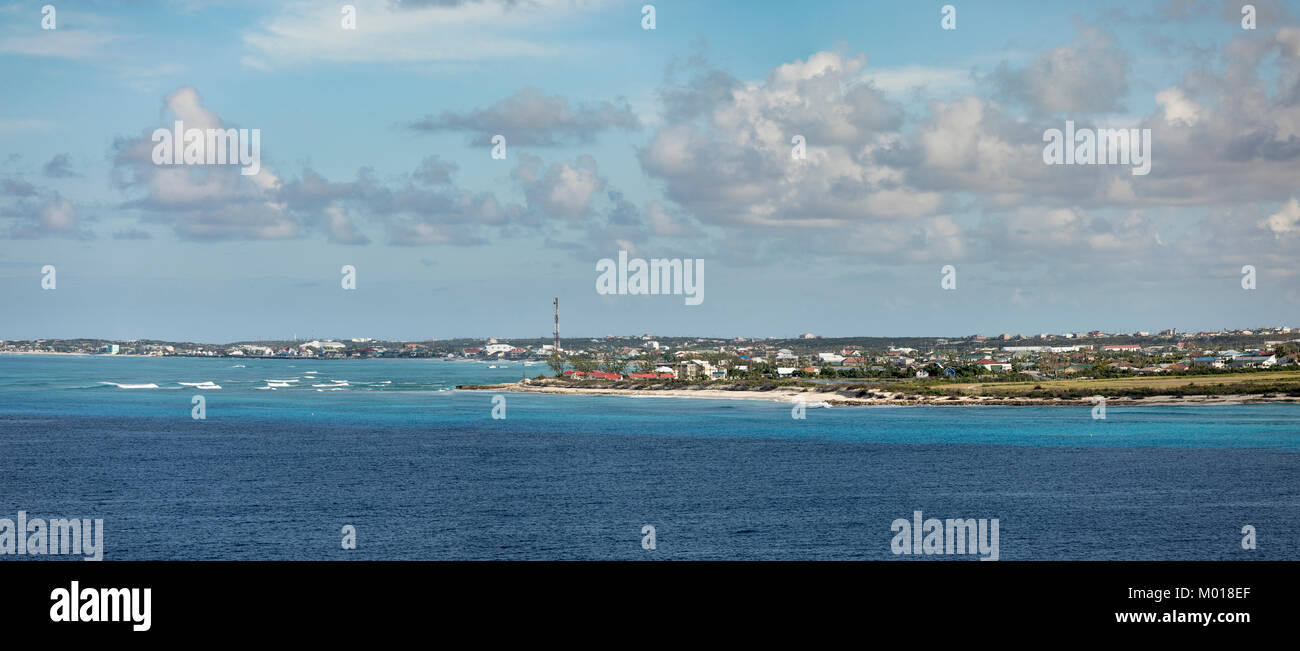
(29, 211)
(726, 149)
(201, 201)
(1088, 75)
(530, 117)
(434, 171)
(562, 189)
(34, 213)
(416, 212)
(1284, 222)
(1178, 109)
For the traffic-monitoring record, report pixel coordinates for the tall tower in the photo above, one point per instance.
(557, 324)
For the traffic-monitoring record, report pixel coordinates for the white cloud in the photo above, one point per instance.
(386, 32)
(1179, 110)
(1286, 221)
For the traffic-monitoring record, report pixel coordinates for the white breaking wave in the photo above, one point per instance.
(132, 386)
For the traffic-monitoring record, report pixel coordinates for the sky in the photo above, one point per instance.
(923, 148)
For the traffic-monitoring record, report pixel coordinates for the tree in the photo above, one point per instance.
(556, 362)
(582, 364)
(613, 364)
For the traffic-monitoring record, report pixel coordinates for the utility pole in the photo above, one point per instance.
(557, 325)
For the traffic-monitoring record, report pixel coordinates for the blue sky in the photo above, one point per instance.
(924, 149)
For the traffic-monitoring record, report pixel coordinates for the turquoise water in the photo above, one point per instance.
(425, 471)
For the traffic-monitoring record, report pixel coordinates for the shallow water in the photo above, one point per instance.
(426, 472)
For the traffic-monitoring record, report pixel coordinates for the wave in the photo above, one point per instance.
(132, 386)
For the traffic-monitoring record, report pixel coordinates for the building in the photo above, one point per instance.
(1253, 361)
(691, 369)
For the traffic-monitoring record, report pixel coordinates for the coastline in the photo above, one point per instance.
(815, 398)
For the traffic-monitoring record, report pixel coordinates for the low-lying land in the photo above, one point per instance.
(1272, 386)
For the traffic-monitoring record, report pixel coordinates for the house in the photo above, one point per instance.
(830, 358)
(498, 349)
(1253, 361)
(990, 365)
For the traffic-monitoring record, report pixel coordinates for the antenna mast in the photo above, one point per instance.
(557, 324)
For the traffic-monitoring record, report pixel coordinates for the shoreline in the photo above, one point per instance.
(879, 397)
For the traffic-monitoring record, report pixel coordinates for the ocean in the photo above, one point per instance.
(291, 451)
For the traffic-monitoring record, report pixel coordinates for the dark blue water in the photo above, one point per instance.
(426, 473)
